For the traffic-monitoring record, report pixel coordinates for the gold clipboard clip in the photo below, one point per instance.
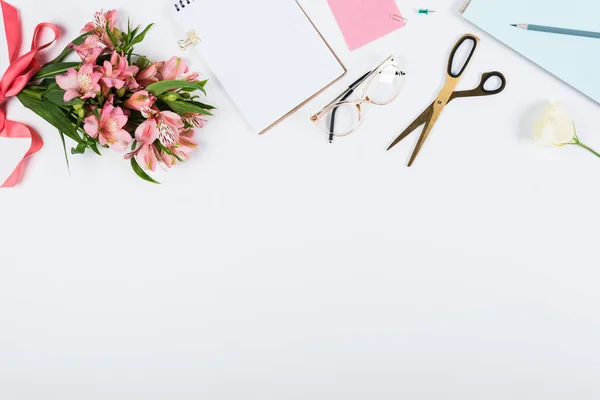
(191, 40)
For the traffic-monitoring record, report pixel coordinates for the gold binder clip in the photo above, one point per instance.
(191, 40)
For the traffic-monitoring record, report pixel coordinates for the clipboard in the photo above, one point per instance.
(268, 55)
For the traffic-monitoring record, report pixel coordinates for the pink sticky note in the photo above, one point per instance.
(363, 21)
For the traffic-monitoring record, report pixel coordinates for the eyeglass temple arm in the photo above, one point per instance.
(347, 93)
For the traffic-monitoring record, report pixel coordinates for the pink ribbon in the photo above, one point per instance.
(18, 74)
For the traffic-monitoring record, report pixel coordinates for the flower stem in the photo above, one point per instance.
(32, 93)
(588, 148)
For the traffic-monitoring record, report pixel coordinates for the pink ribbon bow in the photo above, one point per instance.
(18, 74)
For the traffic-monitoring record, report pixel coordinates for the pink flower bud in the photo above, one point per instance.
(140, 100)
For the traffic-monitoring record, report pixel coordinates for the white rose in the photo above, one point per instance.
(555, 126)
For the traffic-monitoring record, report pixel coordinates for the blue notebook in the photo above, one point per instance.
(574, 59)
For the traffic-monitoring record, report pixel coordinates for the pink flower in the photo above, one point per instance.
(182, 150)
(109, 128)
(98, 25)
(163, 126)
(186, 144)
(166, 124)
(140, 100)
(176, 69)
(194, 120)
(90, 50)
(82, 83)
(147, 76)
(147, 155)
(169, 125)
(117, 72)
(111, 77)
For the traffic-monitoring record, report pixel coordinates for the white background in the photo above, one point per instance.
(282, 267)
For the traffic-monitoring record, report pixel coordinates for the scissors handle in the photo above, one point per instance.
(482, 90)
(466, 40)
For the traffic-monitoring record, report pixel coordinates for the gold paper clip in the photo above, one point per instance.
(191, 40)
(398, 18)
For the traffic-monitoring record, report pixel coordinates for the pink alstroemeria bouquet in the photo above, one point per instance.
(118, 99)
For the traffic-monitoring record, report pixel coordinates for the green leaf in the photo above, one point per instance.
(186, 107)
(62, 139)
(139, 38)
(168, 151)
(111, 35)
(55, 95)
(68, 50)
(161, 87)
(52, 114)
(51, 70)
(102, 58)
(80, 149)
(94, 147)
(202, 105)
(133, 33)
(140, 172)
(201, 83)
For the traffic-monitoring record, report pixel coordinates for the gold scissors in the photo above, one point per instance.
(430, 116)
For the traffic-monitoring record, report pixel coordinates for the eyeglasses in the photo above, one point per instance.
(341, 117)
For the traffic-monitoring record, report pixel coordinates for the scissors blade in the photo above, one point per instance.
(428, 127)
(421, 119)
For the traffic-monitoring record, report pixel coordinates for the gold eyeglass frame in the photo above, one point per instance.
(366, 80)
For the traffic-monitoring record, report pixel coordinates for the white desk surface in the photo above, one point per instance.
(282, 267)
